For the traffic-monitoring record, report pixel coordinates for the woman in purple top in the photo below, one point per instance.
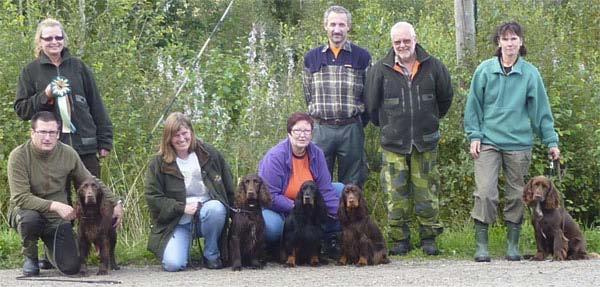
(277, 170)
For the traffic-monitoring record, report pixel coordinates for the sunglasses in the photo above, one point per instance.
(49, 39)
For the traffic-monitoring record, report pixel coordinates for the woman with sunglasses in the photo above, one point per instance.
(284, 168)
(58, 82)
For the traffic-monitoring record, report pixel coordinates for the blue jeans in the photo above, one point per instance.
(274, 221)
(212, 219)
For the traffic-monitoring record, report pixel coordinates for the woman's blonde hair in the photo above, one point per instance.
(37, 40)
(174, 122)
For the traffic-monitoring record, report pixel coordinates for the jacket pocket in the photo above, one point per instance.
(432, 137)
(390, 135)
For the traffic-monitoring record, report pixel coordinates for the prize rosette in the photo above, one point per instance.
(60, 87)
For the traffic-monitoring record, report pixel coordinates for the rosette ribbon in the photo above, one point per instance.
(60, 90)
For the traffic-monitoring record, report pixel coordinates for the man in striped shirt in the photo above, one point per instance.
(334, 78)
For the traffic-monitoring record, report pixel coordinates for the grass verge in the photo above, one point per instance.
(456, 243)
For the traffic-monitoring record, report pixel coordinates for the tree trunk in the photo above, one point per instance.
(83, 27)
(464, 15)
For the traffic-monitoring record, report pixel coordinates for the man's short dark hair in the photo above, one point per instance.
(44, 116)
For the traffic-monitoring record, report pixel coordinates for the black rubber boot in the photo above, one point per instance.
(481, 240)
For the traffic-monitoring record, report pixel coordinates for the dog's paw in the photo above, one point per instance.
(291, 261)
(102, 272)
(362, 261)
(538, 257)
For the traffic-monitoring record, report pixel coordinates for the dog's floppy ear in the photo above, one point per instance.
(363, 202)
(264, 196)
(106, 207)
(240, 193)
(552, 196)
(528, 192)
(320, 204)
(341, 212)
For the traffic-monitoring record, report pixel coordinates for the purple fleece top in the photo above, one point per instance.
(276, 168)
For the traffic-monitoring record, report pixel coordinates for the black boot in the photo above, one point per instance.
(401, 247)
(30, 267)
(333, 247)
(429, 247)
(481, 240)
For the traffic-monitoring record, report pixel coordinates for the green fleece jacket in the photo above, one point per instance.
(505, 110)
(36, 179)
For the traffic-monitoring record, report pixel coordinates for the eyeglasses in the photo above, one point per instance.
(297, 132)
(47, 133)
(50, 38)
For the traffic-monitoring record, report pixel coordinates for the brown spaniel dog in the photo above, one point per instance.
(94, 212)
(556, 233)
(362, 241)
(247, 233)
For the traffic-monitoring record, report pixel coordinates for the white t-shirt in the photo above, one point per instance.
(194, 186)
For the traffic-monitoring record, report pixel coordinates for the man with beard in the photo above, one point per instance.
(408, 92)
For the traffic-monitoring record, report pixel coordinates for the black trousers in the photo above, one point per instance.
(57, 235)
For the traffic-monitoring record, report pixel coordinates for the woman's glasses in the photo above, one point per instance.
(298, 132)
(50, 38)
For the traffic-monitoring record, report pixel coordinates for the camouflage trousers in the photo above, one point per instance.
(411, 184)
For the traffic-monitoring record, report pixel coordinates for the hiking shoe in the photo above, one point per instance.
(30, 267)
(333, 248)
(213, 264)
(45, 264)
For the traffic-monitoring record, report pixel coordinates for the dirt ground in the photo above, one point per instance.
(399, 272)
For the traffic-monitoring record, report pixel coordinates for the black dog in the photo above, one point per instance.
(302, 231)
(95, 212)
(247, 233)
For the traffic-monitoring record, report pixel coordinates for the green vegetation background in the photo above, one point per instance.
(249, 80)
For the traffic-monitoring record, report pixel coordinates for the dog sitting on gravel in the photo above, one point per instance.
(95, 213)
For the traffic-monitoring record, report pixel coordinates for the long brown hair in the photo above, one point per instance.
(173, 123)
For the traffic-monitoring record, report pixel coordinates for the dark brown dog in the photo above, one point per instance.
(95, 212)
(556, 233)
(362, 241)
(247, 233)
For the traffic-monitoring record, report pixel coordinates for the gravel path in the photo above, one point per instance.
(398, 273)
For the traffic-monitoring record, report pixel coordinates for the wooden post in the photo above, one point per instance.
(464, 15)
